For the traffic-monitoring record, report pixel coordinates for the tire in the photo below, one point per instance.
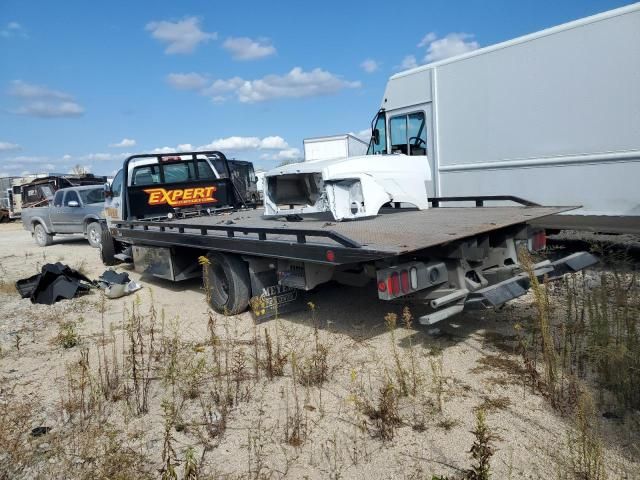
(94, 234)
(108, 248)
(227, 282)
(41, 236)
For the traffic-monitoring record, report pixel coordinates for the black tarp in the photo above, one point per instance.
(55, 282)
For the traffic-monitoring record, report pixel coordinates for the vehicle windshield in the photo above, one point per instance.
(379, 147)
(93, 195)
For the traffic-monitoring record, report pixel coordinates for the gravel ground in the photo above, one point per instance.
(472, 351)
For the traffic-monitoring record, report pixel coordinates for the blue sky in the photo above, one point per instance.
(85, 83)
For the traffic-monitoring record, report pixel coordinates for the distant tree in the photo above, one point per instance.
(79, 170)
(287, 161)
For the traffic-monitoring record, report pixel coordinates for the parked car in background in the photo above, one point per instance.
(72, 210)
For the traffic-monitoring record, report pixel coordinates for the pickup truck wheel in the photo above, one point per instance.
(94, 234)
(227, 283)
(41, 236)
(108, 248)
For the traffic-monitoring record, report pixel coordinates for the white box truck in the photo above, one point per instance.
(336, 146)
(552, 117)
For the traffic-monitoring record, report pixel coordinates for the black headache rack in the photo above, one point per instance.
(136, 200)
(289, 243)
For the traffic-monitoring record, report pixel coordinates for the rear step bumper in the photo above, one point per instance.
(500, 293)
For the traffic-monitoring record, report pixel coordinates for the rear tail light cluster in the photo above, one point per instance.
(407, 278)
(400, 282)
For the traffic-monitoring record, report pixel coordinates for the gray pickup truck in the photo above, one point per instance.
(71, 211)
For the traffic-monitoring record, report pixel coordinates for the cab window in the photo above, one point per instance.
(116, 185)
(178, 172)
(57, 200)
(409, 134)
(146, 175)
(204, 170)
(71, 196)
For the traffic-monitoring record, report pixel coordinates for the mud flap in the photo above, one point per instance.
(270, 299)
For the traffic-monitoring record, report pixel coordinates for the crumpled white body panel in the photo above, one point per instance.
(357, 187)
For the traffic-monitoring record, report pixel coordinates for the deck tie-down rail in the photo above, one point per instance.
(480, 199)
(262, 232)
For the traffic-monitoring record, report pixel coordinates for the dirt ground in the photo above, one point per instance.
(279, 427)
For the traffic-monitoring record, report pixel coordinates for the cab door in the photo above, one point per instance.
(113, 201)
(410, 133)
(68, 218)
(55, 212)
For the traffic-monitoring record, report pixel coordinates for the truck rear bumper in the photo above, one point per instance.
(500, 293)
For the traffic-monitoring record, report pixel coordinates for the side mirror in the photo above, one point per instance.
(73, 203)
(108, 192)
(376, 136)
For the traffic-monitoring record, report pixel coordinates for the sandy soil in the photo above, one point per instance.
(337, 439)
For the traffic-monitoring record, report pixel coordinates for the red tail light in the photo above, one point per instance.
(404, 281)
(539, 241)
(395, 283)
(382, 287)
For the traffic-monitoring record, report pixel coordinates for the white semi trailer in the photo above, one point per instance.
(552, 117)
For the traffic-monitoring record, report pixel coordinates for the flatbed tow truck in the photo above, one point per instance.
(447, 258)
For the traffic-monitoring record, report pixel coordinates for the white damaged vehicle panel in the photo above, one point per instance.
(348, 188)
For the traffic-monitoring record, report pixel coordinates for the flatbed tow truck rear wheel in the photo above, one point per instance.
(108, 248)
(227, 282)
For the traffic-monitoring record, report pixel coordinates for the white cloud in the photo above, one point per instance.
(246, 143)
(163, 150)
(440, 48)
(180, 37)
(451, 45)
(273, 143)
(295, 84)
(124, 143)
(9, 147)
(245, 48)
(427, 39)
(370, 65)
(13, 29)
(408, 62)
(44, 109)
(100, 157)
(185, 147)
(30, 91)
(24, 159)
(44, 102)
(187, 81)
(288, 154)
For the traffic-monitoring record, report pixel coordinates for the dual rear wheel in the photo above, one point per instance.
(227, 283)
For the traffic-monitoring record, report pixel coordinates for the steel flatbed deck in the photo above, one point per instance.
(392, 233)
